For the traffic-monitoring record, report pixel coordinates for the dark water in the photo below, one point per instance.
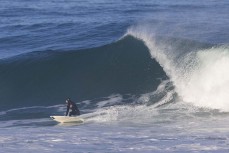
(46, 78)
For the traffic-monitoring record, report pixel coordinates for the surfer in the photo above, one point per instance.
(74, 109)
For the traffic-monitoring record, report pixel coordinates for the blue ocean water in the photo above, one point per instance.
(148, 76)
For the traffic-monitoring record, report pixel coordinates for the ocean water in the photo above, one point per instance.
(147, 76)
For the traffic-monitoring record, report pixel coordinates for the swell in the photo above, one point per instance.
(48, 77)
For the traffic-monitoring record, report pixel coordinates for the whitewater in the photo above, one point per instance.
(147, 76)
(200, 76)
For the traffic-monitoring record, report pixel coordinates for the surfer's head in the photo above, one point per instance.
(68, 100)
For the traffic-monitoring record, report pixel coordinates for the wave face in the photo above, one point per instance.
(48, 77)
(199, 72)
(139, 68)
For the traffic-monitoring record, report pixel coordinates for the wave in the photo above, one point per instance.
(141, 67)
(48, 77)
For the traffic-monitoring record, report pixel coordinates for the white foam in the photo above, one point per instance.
(208, 83)
(162, 91)
(200, 77)
(110, 101)
(128, 113)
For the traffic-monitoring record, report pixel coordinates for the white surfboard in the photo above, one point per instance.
(67, 119)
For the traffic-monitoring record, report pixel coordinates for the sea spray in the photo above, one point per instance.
(200, 76)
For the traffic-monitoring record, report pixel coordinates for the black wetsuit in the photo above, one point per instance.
(74, 109)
